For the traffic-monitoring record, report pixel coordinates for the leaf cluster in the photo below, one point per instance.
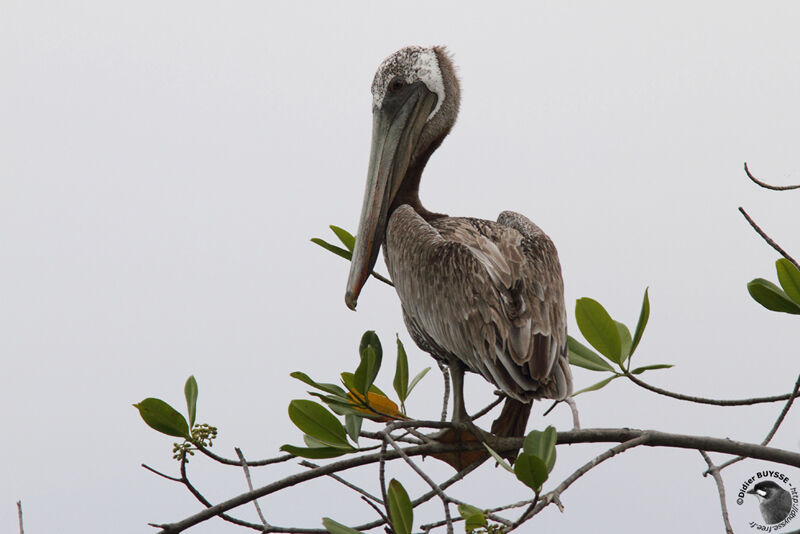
(612, 339)
(162, 417)
(784, 299)
(355, 399)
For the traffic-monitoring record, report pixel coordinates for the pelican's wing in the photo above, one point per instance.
(488, 293)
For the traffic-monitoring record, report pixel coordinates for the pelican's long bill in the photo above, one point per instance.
(396, 128)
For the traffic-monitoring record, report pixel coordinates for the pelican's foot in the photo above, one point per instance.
(462, 432)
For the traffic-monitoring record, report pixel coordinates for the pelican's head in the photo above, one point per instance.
(415, 99)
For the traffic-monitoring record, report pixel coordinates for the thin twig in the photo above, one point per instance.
(703, 400)
(768, 186)
(382, 476)
(19, 517)
(375, 507)
(526, 514)
(159, 473)
(237, 463)
(424, 476)
(768, 239)
(713, 470)
(382, 278)
(200, 497)
(775, 426)
(378, 437)
(250, 485)
(364, 493)
(555, 495)
(446, 374)
(480, 413)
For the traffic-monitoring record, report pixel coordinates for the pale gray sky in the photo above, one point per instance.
(163, 165)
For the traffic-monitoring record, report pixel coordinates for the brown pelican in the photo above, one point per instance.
(479, 295)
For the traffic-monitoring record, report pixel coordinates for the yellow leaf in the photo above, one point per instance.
(380, 408)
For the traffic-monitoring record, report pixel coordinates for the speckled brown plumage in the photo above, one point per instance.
(487, 293)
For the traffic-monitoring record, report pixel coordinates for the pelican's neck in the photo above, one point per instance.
(409, 188)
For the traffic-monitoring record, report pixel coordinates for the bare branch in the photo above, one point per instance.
(555, 496)
(237, 463)
(19, 517)
(598, 435)
(488, 408)
(714, 471)
(382, 278)
(250, 485)
(364, 493)
(159, 473)
(378, 510)
(200, 497)
(382, 476)
(424, 476)
(766, 185)
(767, 238)
(773, 430)
(703, 400)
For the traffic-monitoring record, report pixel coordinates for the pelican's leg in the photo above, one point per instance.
(459, 410)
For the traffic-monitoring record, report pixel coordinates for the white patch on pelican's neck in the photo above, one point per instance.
(413, 63)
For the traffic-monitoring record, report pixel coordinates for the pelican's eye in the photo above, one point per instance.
(396, 84)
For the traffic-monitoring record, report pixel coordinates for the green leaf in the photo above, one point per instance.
(400, 511)
(473, 517)
(366, 371)
(401, 373)
(789, 277)
(644, 315)
(346, 254)
(531, 471)
(318, 423)
(314, 453)
(583, 356)
(190, 392)
(345, 237)
(542, 445)
(640, 370)
(162, 417)
(328, 388)
(371, 356)
(625, 341)
(338, 528)
(596, 386)
(465, 510)
(772, 297)
(598, 328)
(312, 442)
(500, 461)
(370, 339)
(352, 423)
(416, 380)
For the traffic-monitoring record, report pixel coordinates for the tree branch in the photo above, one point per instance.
(555, 496)
(713, 402)
(597, 435)
(19, 517)
(250, 485)
(424, 476)
(714, 471)
(766, 185)
(767, 238)
(773, 430)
